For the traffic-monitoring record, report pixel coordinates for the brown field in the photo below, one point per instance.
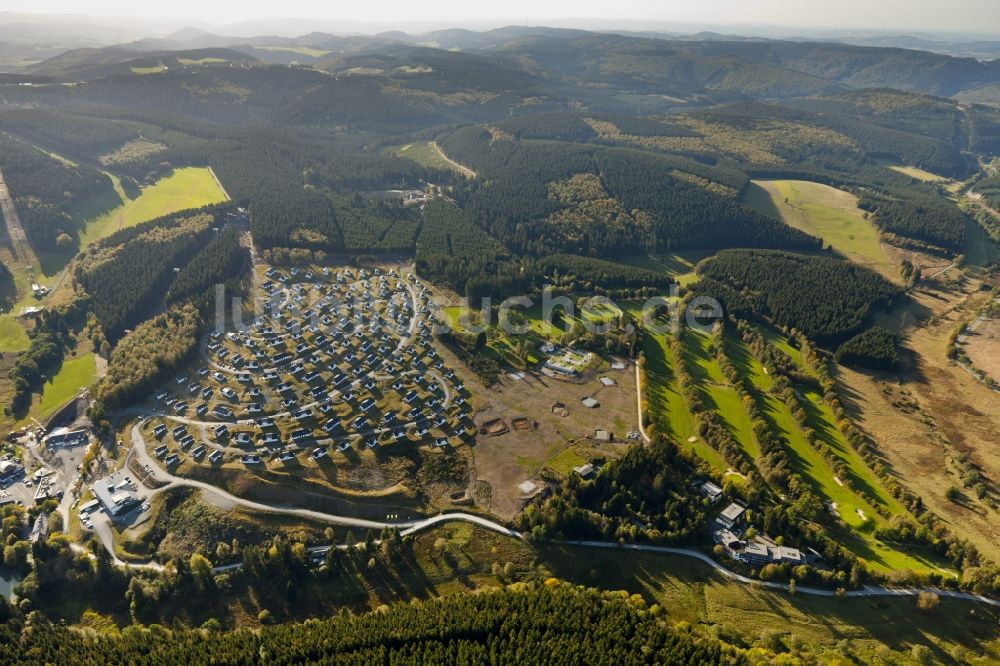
(927, 263)
(922, 417)
(557, 444)
(889, 413)
(983, 348)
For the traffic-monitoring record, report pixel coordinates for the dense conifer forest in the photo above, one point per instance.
(47, 193)
(125, 280)
(875, 348)
(825, 298)
(530, 625)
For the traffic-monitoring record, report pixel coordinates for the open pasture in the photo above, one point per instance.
(824, 212)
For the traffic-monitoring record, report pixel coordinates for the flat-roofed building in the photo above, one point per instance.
(710, 490)
(64, 437)
(114, 500)
(755, 552)
(787, 555)
(731, 516)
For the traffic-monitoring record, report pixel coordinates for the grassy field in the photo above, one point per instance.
(821, 419)
(539, 330)
(825, 212)
(564, 461)
(667, 405)
(844, 631)
(854, 509)
(28, 266)
(459, 557)
(423, 152)
(719, 396)
(153, 69)
(854, 494)
(678, 265)
(188, 187)
(200, 61)
(505, 347)
(980, 249)
(13, 337)
(919, 174)
(75, 374)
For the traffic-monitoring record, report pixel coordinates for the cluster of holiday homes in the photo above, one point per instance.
(757, 551)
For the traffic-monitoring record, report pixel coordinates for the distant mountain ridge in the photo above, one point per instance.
(713, 68)
(99, 63)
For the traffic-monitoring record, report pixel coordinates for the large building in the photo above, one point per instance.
(64, 437)
(115, 500)
(710, 491)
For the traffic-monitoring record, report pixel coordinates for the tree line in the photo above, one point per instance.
(552, 623)
(936, 222)
(876, 348)
(149, 355)
(53, 333)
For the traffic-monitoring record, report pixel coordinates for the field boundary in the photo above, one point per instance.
(219, 183)
(464, 170)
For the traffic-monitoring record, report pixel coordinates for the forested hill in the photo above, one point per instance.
(517, 60)
(564, 169)
(529, 625)
(98, 63)
(539, 197)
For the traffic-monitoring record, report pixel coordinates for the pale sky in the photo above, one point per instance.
(977, 16)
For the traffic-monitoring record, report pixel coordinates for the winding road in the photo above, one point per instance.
(410, 527)
(103, 532)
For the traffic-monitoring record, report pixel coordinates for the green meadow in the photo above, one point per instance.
(824, 212)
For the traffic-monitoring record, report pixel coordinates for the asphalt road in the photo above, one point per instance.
(410, 527)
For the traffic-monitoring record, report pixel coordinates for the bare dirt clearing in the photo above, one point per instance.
(552, 442)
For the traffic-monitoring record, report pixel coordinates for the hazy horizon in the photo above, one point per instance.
(972, 17)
